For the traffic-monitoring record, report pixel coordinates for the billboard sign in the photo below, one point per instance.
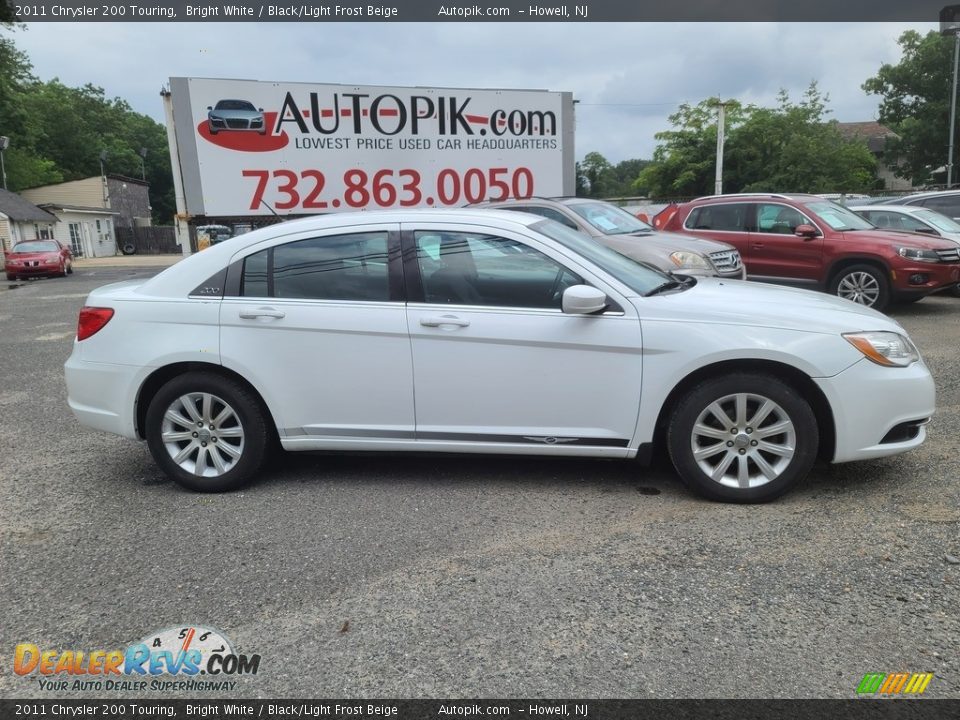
(247, 147)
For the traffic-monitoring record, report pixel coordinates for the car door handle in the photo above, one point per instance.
(438, 320)
(757, 245)
(250, 313)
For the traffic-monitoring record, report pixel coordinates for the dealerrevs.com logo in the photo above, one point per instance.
(196, 657)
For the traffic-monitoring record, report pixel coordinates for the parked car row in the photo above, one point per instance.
(809, 241)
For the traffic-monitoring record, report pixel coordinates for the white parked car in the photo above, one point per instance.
(486, 331)
(913, 218)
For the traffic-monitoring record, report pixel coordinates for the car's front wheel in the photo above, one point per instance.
(207, 432)
(744, 438)
(863, 284)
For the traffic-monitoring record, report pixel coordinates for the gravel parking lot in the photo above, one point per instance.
(398, 576)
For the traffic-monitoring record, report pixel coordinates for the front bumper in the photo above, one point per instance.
(923, 278)
(873, 404)
(33, 270)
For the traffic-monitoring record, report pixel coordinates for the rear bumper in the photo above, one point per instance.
(99, 395)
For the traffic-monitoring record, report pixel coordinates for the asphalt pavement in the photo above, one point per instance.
(426, 576)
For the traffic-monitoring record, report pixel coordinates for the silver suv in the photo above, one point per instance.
(945, 202)
(621, 231)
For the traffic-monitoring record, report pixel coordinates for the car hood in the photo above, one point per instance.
(670, 242)
(738, 302)
(902, 238)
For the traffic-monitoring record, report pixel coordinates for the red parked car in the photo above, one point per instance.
(38, 257)
(807, 241)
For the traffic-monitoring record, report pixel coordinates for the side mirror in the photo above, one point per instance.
(805, 231)
(209, 108)
(260, 110)
(583, 300)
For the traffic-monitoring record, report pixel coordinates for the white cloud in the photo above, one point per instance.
(628, 76)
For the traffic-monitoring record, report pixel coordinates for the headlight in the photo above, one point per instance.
(919, 254)
(889, 349)
(689, 261)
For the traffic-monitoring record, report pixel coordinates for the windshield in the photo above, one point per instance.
(838, 217)
(35, 246)
(940, 222)
(609, 219)
(234, 105)
(639, 278)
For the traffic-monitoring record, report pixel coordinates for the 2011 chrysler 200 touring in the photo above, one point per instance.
(486, 331)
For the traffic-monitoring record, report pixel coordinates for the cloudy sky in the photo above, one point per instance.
(628, 77)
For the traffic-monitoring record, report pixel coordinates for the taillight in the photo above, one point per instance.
(92, 320)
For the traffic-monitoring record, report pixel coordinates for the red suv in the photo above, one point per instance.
(808, 241)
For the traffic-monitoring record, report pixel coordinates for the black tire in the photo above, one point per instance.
(746, 447)
(128, 248)
(954, 291)
(10, 277)
(873, 281)
(247, 414)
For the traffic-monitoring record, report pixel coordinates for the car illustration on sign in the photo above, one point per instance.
(235, 115)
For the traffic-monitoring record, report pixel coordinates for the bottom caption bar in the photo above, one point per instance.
(869, 709)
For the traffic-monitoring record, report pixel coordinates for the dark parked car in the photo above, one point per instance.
(235, 115)
(945, 202)
(36, 258)
(808, 241)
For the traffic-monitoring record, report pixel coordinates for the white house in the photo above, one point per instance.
(22, 220)
(87, 231)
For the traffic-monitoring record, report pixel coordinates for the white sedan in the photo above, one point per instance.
(480, 331)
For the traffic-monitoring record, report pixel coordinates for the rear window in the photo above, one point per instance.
(718, 217)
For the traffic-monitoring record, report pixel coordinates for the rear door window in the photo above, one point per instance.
(340, 267)
(731, 218)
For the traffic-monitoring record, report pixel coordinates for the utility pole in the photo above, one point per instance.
(721, 139)
(950, 25)
(4, 144)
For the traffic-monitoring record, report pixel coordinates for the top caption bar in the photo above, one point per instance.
(485, 11)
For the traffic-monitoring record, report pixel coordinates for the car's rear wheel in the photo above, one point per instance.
(207, 432)
(742, 438)
(11, 277)
(863, 284)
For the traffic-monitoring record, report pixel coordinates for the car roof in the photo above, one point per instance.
(929, 194)
(892, 208)
(796, 197)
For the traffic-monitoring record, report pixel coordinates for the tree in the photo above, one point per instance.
(597, 175)
(788, 148)
(916, 103)
(57, 132)
(684, 162)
